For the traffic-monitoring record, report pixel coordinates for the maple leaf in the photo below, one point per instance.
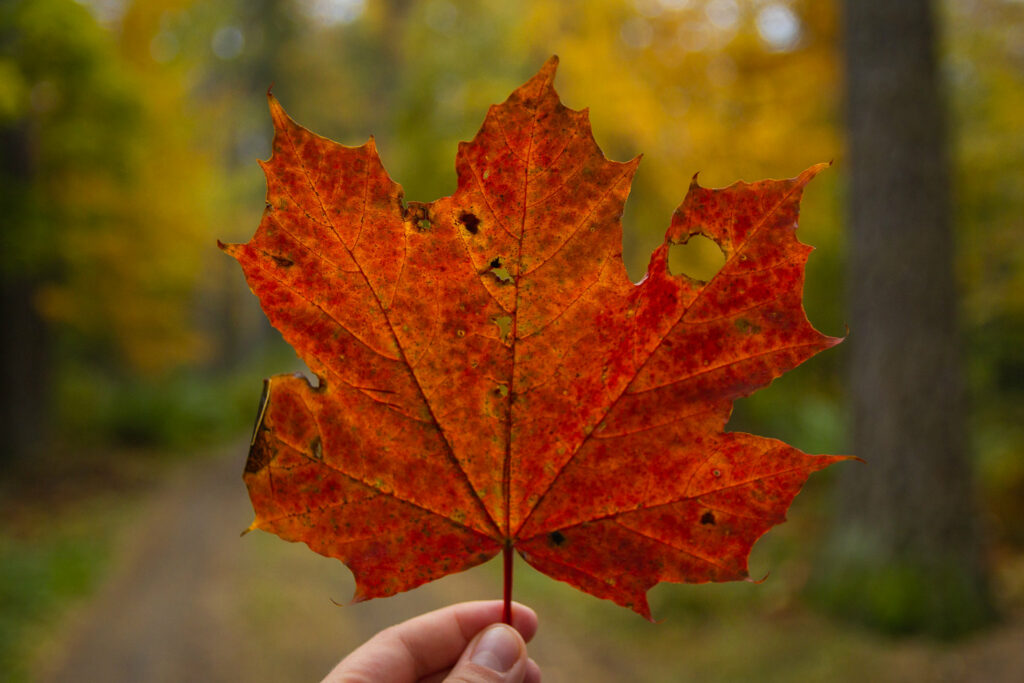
(490, 379)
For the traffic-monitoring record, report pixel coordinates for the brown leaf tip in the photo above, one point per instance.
(809, 173)
(549, 68)
(542, 83)
(278, 115)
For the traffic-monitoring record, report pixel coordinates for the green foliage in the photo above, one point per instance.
(986, 70)
(62, 89)
(176, 412)
(905, 598)
(40, 577)
(105, 198)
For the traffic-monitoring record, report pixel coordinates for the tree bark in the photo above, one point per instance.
(24, 337)
(907, 554)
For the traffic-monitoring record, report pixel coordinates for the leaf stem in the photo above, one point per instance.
(506, 556)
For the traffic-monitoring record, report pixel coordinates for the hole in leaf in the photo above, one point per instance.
(471, 222)
(499, 271)
(504, 323)
(699, 258)
(283, 262)
(418, 214)
(316, 448)
(556, 537)
(707, 518)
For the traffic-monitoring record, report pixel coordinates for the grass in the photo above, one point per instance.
(45, 571)
(61, 512)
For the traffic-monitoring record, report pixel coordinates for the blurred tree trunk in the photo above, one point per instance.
(907, 554)
(24, 357)
(24, 376)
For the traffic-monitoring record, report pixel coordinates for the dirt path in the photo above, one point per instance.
(189, 600)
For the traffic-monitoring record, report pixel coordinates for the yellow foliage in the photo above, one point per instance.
(131, 247)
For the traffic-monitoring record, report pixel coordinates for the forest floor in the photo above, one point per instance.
(186, 599)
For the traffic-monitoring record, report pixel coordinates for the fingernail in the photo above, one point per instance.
(497, 650)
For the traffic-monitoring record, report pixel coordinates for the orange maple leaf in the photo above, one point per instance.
(490, 379)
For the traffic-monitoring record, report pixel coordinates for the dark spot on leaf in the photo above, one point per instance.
(260, 454)
(316, 448)
(556, 538)
(283, 262)
(470, 221)
(716, 472)
(744, 325)
(707, 518)
(500, 271)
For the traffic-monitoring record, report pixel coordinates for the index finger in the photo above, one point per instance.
(428, 643)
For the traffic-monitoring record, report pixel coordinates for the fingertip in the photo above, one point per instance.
(532, 672)
(498, 648)
(524, 620)
(475, 616)
(523, 611)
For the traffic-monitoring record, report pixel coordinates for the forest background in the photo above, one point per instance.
(129, 134)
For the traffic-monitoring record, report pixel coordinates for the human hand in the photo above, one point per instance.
(463, 643)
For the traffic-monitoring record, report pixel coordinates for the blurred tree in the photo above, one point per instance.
(127, 281)
(60, 88)
(24, 345)
(234, 51)
(907, 555)
(985, 68)
(730, 89)
(105, 214)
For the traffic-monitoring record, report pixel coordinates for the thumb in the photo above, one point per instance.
(496, 655)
